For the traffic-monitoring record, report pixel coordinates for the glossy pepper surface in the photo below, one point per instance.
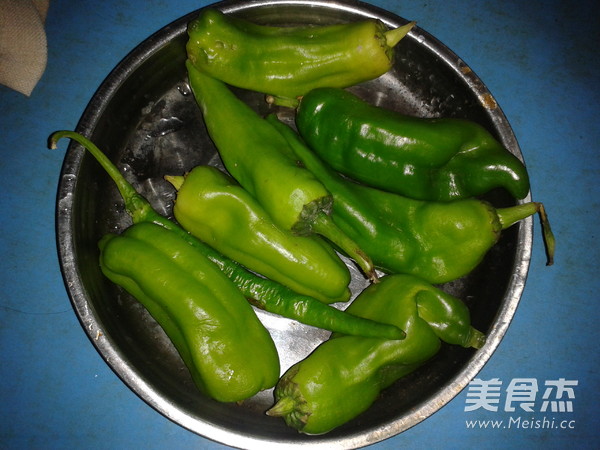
(437, 241)
(216, 209)
(262, 162)
(261, 292)
(345, 374)
(228, 351)
(289, 61)
(427, 159)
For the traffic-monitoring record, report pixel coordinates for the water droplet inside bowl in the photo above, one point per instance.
(165, 126)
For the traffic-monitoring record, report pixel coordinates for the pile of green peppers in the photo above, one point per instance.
(202, 299)
(394, 194)
(345, 374)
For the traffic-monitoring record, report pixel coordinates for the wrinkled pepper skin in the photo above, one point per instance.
(427, 159)
(290, 61)
(261, 161)
(217, 210)
(344, 375)
(229, 353)
(437, 241)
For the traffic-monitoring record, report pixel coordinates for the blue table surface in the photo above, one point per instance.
(540, 61)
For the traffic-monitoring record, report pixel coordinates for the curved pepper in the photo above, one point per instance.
(218, 211)
(228, 351)
(260, 292)
(290, 61)
(260, 159)
(427, 159)
(345, 374)
(437, 241)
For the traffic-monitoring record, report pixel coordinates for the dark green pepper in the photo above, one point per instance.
(427, 159)
(290, 61)
(262, 162)
(261, 292)
(344, 375)
(228, 351)
(437, 241)
(218, 211)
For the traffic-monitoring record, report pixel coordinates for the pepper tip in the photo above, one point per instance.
(288, 102)
(53, 139)
(395, 35)
(283, 406)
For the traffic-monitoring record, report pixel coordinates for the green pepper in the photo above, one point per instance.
(288, 62)
(262, 162)
(437, 241)
(423, 158)
(344, 375)
(228, 351)
(260, 292)
(218, 211)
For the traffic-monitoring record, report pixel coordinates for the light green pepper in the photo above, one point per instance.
(217, 210)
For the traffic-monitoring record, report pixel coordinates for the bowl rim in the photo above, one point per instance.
(128, 373)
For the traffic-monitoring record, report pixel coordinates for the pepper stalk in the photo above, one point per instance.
(513, 214)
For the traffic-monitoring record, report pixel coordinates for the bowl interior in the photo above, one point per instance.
(146, 120)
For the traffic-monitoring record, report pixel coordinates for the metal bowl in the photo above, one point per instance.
(144, 117)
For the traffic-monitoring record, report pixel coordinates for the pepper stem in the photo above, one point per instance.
(392, 37)
(476, 339)
(176, 180)
(323, 224)
(136, 205)
(511, 215)
(318, 220)
(284, 406)
(278, 100)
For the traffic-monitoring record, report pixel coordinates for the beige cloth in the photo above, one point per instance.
(23, 48)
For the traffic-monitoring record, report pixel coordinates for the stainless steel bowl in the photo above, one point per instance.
(145, 119)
